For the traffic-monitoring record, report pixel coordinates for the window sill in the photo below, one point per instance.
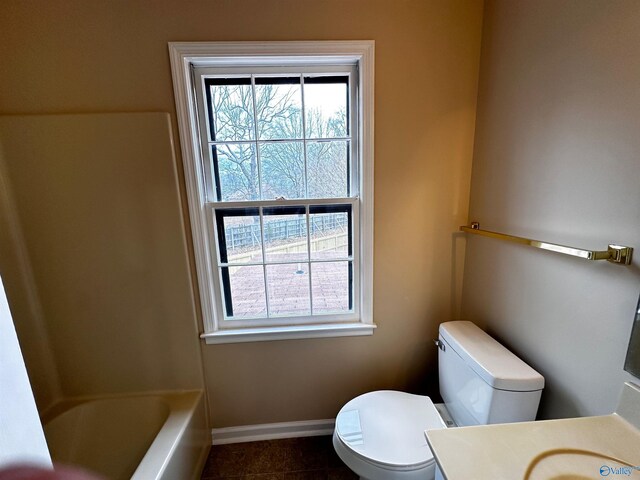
(288, 333)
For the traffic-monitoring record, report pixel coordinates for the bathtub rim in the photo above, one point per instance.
(64, 404)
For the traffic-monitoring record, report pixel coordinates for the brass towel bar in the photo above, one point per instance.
(614, 253)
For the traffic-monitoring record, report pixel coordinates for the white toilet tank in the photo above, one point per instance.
(481, 381)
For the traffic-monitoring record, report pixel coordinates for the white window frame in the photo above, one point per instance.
(185, 56)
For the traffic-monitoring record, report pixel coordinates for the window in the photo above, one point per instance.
(277, 145)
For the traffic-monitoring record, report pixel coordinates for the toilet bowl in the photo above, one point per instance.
(380, 435)
(396, 446)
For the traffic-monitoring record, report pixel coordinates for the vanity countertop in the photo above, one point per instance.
(576, 448)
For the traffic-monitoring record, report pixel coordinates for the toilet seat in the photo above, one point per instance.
(386, 428)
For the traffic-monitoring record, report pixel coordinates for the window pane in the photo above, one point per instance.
(236, 171)
(279, 108)
(239, 235)
(244, 293)
(330, 235)
(331, 286)
(325, 103)
(288, 287)
(327, 169)
(285, 234)
(282, 167)
(231, 109)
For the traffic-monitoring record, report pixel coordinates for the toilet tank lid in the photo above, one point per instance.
(494, 363)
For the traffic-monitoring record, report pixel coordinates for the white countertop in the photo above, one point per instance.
(574, 448)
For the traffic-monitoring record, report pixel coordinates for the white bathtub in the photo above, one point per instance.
(137, 437)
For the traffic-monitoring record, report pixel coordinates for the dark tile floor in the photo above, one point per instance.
(307, 458)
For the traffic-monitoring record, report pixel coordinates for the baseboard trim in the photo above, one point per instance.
(271, 431)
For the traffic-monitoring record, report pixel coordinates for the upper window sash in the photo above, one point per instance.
(209, 147)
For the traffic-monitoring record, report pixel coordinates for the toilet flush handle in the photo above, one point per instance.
(439, 344)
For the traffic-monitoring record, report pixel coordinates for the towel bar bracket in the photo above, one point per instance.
(620, 254)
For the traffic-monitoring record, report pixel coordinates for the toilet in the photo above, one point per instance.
(380, 435)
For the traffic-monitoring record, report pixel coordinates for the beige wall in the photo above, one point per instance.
(94, 56)
(556, 158)
(426, 59)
